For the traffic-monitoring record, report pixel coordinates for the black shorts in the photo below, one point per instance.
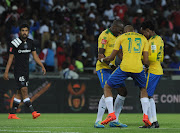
(22, 80)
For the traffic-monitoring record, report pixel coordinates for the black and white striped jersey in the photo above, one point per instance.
(21, 50)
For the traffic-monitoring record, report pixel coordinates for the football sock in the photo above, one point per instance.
(153, 109)
(28, 103)
(101, 109)
(16, 103)
(118, 105)
(150, 115)
(145, 104)
(109, 104)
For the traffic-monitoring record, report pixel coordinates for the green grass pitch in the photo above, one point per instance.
(84, 123)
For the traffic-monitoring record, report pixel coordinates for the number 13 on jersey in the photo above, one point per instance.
(137, 47)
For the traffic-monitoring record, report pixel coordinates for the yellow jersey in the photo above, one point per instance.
(156, 55)
(133, 44)
(106, 41)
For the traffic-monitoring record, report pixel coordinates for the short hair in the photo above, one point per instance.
(128, 28)
(148, 24)
(117, 22)
(25, 25)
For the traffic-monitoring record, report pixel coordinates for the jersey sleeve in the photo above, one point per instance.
(103, 41)
(33, 48)
(11, 49)
(117, 45)
(146, 45)
(160, 50)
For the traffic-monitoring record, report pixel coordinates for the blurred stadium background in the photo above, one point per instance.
(65, 34)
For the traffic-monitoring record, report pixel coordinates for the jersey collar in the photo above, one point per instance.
(111, 32)
(153, 37)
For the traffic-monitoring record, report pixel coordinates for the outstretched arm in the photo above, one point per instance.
(38, 61)
(109, 58)
(10, 60)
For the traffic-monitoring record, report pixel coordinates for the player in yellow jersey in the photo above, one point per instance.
(106, 43)
(133, 46)
(155, 72)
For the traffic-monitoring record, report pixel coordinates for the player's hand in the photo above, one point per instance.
(100, 56)
(145, 69)
(5, 76)
(43, 70)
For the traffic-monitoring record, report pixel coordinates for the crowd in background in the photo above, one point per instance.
(65, 32)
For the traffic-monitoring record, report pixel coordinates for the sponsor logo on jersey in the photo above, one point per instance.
(104, 41)
(24, 51)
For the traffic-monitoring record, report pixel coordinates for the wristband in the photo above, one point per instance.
(102, 59)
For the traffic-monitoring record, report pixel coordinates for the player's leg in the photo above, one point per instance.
(28, 103)
(118, 105)
(116, 78)
(153, 81)
(140, 80)
(103, 75)
(16, 102)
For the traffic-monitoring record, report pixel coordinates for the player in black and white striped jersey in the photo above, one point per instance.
(20, 48)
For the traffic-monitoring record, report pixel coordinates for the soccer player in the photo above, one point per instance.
(20, 48)
(106, 42)
(155, 72)
(133, 45)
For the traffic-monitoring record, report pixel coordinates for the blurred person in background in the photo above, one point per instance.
(175, 64)
(3, 51)
(47, 57)
(77, 47)
(66, 73)
(60, 54)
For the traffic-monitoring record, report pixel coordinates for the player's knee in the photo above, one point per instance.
(122, 91)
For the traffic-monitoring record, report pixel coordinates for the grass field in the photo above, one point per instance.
(83, 123)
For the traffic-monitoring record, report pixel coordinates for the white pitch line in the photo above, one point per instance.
(45, 127)
(25, 131)
(93, 127)
(33, 131)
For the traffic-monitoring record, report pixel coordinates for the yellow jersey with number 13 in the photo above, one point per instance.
(133, 44)
(106, 41)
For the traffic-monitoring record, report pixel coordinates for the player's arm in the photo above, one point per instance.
(120, 54)
(10, 60)
(38, 61)
(146, 54)
(111, 57)
(114, 52)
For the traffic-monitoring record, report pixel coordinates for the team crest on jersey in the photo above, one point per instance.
(25, 45)
(76, 99)
(104, 41)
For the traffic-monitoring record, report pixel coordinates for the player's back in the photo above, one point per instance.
(133, 44)
(156, 54)
(106, 41)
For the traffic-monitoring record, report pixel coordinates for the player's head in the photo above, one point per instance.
(24, 31)
(128, 28)
(147, 28)
(117, 27)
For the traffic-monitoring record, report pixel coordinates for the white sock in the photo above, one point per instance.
(109, 104)
(150, 115)
(153, 109)
(145, 105)
(101, 109)
(118, 105)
